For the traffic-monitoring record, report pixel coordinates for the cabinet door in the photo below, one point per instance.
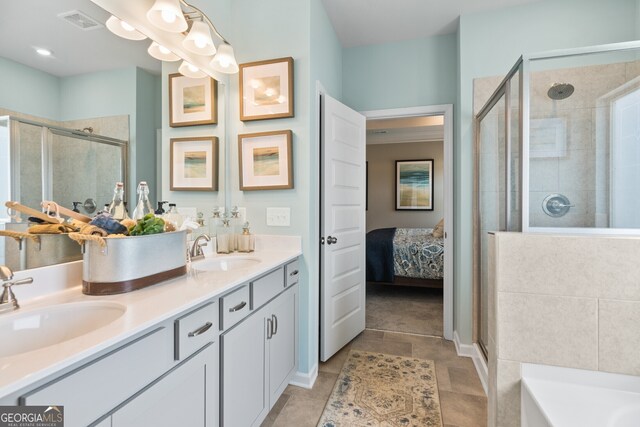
(282, 343)
(186, 396)
(242, 373)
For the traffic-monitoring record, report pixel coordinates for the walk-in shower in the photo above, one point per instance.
(557, 149)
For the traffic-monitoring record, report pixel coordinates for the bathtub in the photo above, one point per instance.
(562, 397)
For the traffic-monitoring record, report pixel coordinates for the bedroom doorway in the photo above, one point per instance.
(410, 220)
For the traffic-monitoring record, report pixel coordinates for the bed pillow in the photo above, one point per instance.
(438, 230)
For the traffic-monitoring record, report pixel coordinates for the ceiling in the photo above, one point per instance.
(364, 22)
(27, 24)
(405, 130)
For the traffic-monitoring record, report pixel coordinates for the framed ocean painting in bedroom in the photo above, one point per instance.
(414, 185)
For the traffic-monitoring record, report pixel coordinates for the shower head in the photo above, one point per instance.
(559, 91)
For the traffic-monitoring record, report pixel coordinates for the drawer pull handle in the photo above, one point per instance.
(294, 273)
(269, 329)
(238, 307)
(201, 330)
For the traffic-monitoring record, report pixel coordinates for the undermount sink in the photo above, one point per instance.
(224, 264)
(32, 330)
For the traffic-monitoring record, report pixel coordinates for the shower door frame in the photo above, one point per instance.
(523, 66)
(46, 145)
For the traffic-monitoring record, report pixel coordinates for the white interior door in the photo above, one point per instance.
(342, 226)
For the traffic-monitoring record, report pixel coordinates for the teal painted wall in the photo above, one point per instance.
(401, 74)
(27, 90)
(275, 30)
(148, 99)
(489, 44)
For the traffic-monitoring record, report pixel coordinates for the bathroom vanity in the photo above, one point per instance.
(215, 347)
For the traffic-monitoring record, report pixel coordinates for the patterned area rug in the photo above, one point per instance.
(381, 390)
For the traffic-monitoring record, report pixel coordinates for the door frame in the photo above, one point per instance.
(445, 110)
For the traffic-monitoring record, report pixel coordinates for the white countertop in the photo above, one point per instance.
(145, 308)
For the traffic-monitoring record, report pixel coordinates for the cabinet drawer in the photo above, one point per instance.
(91, 391)
(266, 287)
(234, 307)
(195, 330)
(292, 272)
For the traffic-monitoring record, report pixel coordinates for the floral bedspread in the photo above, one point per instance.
(417, 254)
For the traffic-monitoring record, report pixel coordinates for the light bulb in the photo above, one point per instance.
(224, 62)
(200, 42)
(168, 16)
(192, 68)
(125, 26)
(163, 49)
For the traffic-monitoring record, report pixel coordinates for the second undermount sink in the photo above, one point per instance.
(224, 264)
(21, 332)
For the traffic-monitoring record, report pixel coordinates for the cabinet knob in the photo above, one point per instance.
(332, 240)
(294, 273)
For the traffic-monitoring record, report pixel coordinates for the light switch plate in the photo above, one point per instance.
(279, 217)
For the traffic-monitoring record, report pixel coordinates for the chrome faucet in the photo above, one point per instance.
(8, 301)
(196, 249)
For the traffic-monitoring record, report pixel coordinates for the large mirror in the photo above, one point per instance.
(90, 113)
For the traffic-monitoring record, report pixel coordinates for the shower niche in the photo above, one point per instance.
(557, 149)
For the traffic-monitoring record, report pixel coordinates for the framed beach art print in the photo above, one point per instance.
(194, 164)
(266, 89)
(414, 185)
(192, 101)
(266, 160)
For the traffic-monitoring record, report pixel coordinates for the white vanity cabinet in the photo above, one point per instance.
(185, 396)
(165, 372)
(259, 354)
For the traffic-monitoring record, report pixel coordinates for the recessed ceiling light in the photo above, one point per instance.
(44, 52)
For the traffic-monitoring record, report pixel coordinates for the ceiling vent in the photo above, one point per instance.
(80, 20)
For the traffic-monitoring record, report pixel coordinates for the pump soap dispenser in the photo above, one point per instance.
(246, 241)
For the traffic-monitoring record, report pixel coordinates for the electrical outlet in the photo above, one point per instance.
(279, 217)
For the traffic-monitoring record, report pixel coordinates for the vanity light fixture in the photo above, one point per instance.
(199, 39)
(161, 53)
(225, 60)
(124, 30)
(190, 70)
(167, 15)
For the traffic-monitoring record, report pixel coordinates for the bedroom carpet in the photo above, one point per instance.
(383, 390)
(406, 309)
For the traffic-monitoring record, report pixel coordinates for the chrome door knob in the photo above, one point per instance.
(332, 240)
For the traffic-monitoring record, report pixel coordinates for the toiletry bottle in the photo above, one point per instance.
(246, 241)
(160, 210)
(223, 235)
(144, 205)
(117, 208)
(235, 229)
(173, 216)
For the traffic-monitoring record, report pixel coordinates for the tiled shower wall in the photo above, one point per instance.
(569, 139)
(571, 301)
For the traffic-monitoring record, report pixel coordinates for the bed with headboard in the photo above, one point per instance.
(406, 256)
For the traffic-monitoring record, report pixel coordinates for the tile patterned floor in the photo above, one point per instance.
(462, 398)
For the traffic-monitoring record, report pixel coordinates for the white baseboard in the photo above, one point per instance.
(305, 380)
(473, 351)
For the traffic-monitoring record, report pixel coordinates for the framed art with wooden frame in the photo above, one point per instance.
(192, 101)
(194, 164)
(266, 160)
(266, 89)
(414, 185)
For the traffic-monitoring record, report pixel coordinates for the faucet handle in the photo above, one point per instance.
(18, 282)
(8, 301)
